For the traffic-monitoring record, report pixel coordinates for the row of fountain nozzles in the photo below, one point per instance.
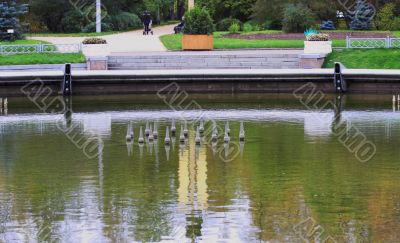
(152, 133)
(394, 102)
(3, 104)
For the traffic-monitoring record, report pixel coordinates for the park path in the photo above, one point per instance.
(132, 41)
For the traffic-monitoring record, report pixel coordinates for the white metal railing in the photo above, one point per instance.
(40, 48)
(366, 43)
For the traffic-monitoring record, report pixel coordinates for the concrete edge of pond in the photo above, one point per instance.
(205, 80)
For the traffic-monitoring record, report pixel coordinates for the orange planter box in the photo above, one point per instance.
(197, 42)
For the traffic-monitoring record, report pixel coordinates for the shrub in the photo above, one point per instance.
(266, 25)
(234, 28)
(257, 27)
(198, 22)
(386, 18)
(318, 37)
(126, 21)
(297, 18)
(94, 41)
(73, 21)
(396, 24)
(342, 25)
(247, 28)
(225, 24)
(90, 28)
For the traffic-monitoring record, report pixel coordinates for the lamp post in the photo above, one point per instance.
(98, 16)
(191, 4)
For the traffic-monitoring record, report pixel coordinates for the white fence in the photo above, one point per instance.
(365, 43)
(40, 48)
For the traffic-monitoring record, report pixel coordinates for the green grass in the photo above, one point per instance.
(174, 42)
(362, 58)
(42, 58)
(22, 42)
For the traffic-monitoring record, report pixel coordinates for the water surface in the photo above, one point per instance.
(291, 180)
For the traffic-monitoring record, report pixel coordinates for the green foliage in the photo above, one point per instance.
(90, 28)
(386, 18)
(220, 9)
(247, 27)
(234, 28)
(198, 22)
(273, 10)
(362, 16)
(267, 25)
(225, 24)
(257, 27)
(297, 18)
(73, 22)
(342, 25)
(9, 13)
(126, 21)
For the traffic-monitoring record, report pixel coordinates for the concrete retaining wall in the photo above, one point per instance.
(203, 81)
(40, 67)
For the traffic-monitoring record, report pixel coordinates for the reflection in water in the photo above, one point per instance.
(291, 169)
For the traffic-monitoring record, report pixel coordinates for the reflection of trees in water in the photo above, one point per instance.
(285, 178)
(322, 180)
(138, 192)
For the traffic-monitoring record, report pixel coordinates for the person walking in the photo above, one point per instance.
(146, 19)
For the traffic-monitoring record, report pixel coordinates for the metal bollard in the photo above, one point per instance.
(339, 82)
(67, 82)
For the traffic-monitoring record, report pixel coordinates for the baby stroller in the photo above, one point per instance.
(147, 29)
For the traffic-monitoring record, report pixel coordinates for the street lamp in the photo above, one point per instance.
(98, 16)
(191, 4)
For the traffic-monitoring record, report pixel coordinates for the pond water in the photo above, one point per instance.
(73, 177)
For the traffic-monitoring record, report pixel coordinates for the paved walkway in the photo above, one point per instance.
(132, 41)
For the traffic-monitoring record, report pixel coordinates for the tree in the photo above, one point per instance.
(297, 18)
(272, 11)
(221, 9)
(386, 18)
(10, 28)
(362, 16)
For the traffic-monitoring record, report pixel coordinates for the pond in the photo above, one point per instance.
(301, 173)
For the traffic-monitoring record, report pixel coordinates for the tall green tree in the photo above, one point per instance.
(272, 10)
(10, 28)
(220, 9)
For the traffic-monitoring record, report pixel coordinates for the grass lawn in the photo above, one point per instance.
(38, 58)
(174, 42)
(42, 58)
(362, 58)
(21, 42)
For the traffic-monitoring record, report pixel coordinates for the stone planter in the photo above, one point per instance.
(197, 42)
(96, 50)
(317, 47)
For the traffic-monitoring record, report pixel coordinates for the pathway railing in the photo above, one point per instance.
(365, 43)
(40, 48)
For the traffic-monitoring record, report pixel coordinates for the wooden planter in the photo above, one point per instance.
(197, 42)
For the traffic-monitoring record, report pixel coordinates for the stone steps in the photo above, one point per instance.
(203, 61)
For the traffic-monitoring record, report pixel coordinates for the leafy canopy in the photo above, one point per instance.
(198, 22)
